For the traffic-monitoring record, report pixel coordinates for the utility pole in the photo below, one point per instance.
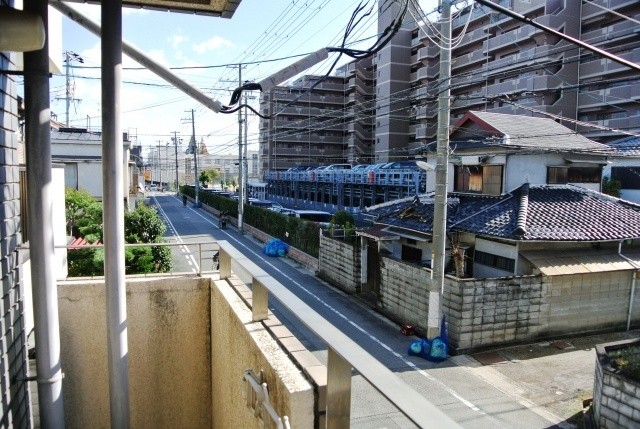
(68, 57)
(175, 143)
(159, 166)
(241, 185)
(245, 160)
(442, 165)
(194, 145)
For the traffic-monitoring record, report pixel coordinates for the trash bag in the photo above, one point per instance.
(275, 247)
(439, 345)
(438, 351)
(420, 348)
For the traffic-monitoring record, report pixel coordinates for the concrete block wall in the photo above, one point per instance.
(481, 313)
(14, 406)
(591, 302)
(339, 264)
(404, 292)
(616, 398)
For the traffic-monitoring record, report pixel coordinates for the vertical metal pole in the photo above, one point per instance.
(195, 157)
(245, 160)
(175, 141)
(68, 93)
(442, 165)
(240, 181)
(40, 209)
(113, 214)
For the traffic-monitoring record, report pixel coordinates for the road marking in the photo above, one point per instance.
(191, 260)
(413, 366)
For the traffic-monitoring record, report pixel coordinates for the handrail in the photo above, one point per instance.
(344, 353)
(199, 271)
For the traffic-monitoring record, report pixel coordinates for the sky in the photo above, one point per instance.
(264, 36)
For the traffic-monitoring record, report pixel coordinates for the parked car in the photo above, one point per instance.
(315, 216)
(334, 167)
(401, 165)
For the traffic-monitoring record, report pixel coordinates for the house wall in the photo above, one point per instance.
(338, 263)
(189, 342)
(494, 311)
(14, 407)
(404, 292)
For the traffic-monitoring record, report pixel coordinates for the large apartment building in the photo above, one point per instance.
(384, 108)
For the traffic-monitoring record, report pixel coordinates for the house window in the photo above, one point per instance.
(411, 254)
(485, 179)
(494, 261)
(629, 177)
(561, 175)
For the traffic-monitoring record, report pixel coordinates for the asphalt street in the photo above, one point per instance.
(512, 392)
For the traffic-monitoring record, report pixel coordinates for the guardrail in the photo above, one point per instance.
(343, 352)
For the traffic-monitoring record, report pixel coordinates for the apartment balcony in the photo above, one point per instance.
(426, 131)
(616, 33)
(467, 60)
(601, 67)
(508, 39)
(591, 11)
(313, 98)
(603, 97)
(360, 131)
(427, 53)
(473, 37)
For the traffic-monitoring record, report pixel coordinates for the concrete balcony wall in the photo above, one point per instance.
(189, 343)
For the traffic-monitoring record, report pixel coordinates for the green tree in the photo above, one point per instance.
(611, 187)
(84, 214)
(143, 225)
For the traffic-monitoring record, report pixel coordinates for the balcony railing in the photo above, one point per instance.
(343, 352)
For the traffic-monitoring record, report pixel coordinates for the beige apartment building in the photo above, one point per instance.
(384, 108)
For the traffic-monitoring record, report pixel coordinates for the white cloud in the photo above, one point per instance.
(176, 40)
(212, 44)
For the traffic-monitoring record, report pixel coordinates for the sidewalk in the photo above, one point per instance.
(551, 378)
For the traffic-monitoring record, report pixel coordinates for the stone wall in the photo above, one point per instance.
(339, 264)
(14, 408)
(404, 292)
(616, 398)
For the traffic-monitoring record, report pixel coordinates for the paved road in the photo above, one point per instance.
(474, 395)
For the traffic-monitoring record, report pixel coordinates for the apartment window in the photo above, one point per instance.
(485, 179)
(562, 175)
(494, 261)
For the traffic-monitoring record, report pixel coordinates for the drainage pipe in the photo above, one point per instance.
(40, 210)
(633, 283)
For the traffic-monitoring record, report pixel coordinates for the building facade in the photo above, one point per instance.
(388, 103)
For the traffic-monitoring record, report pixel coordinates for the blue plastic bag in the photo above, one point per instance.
(275, 247)
(420, 348)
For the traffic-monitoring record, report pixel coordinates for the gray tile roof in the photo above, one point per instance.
(538, 133)
(628, 146)
(529, 213)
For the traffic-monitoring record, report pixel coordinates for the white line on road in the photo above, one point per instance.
(190, 258)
